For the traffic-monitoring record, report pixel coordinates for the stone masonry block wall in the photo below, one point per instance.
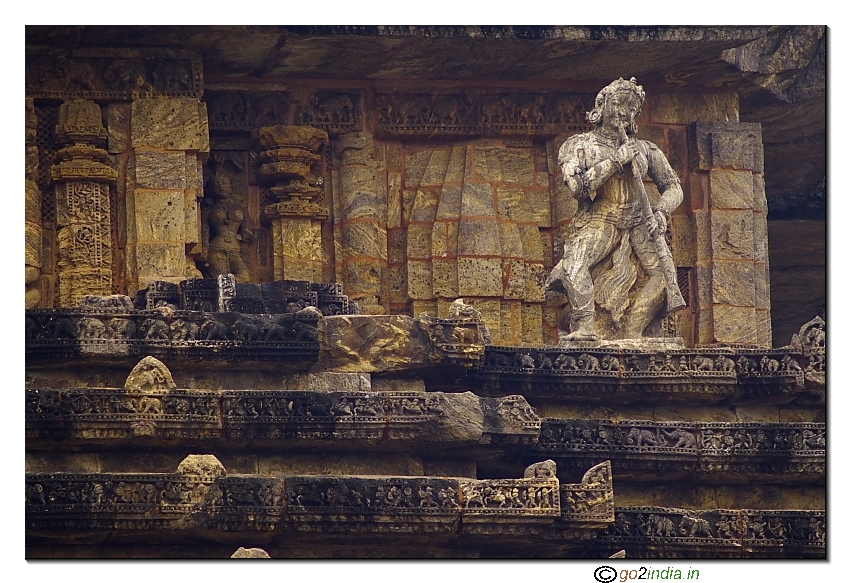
(162, 144)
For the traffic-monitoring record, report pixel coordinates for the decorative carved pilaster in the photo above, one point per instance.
(291, 164)
(82, 179)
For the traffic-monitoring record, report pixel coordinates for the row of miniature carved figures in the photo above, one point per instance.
(223, 294)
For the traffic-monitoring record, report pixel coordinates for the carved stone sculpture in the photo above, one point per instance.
(228, 228)
(603, 169)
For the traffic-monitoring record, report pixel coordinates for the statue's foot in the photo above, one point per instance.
(581, 336)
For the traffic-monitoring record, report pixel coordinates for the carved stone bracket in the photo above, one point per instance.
(681, 533)
(213, 501)
(790, 452)
(119, 74)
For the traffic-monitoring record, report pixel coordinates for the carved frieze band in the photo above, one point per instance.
(246, 110)
(478, 113)
(165, 333)
(60, 502)
(702, 374)
(93, 413)
(793, 451)
(695, 533)
(114, 74)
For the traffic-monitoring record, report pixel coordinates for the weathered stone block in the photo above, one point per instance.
(702, 235)
(759, 196)
(513, 274)
(564, 204)
(732, 283)
(760, 243)
(449, 205)
(394, 156)
(32, 244)
(301, 269)
(732, 234)
(396, 277)
(517, 165)
(160, 216)
(703, 282)
(170, 123)
(491, 314)
(730, 189)
(727, 145)
(419, 241)
(684, 245)
(532, 324)
(477, 200)
(457, 164)
(301, 239)
(195, 174)
(163, 259)
(445, 278)
(734, 324)
(435, 170)
(511, 321)
(118, 127)
(32, 202)
(358, 190)
(31, 163)
(512, 243)
(414, 168)
(705, 326)
(160, 170)
(192, 218)
(762, 286)
(362, 277)
(684, 107)
(360, 238)
(424, 207)
(535, 278)
(381, 385)
(765, 331)
(479, 277)
(420, 307)
(393, 200)
(479, 237)
(419, 280)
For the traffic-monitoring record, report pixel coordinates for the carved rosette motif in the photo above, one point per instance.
(82, 179)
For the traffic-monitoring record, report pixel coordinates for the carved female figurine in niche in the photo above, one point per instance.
(226, 235)
(228, 230)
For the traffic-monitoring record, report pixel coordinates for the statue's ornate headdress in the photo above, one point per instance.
(594, 116)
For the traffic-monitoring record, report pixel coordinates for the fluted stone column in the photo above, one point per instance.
(730, 221)
(82, 180)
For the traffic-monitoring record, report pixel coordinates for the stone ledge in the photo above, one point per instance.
(733, 452)
(676, 533)
(200, 497)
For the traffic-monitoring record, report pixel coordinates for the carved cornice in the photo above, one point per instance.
(277, 416)
(120, 74)
(786, 451)
(675, 533)
(71, 333)
(709, 375)
(207, 504)
(477, 113)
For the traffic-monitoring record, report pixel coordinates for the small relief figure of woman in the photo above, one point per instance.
(227, 232)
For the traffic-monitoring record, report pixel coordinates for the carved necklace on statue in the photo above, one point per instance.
(611, 141)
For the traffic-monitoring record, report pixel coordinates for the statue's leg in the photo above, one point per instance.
(587, 248)
(650, 298)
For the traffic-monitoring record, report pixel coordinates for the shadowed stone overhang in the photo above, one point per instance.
(779, 72)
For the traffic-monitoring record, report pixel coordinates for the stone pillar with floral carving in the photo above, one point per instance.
(82, 179)
(290, 163)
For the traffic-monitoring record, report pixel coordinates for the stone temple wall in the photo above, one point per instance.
(275, 265)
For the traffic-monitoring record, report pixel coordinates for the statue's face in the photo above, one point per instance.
(619, 109)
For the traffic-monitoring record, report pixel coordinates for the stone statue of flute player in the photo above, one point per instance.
(615, 232)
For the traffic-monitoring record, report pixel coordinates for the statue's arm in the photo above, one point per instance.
(583, 181)
(664, 177)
